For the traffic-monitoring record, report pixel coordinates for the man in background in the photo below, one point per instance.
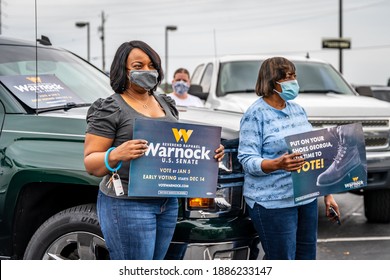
(180, 85)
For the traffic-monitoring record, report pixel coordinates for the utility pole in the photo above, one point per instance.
(101, 29)
(340, 42)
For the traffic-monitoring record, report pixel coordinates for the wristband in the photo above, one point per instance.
(106, 161)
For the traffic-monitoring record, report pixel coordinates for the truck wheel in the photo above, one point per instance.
(72, 234)
(377, 206)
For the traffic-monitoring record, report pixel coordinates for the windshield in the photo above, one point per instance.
(237, 77)
(62, 78)
(313, 77)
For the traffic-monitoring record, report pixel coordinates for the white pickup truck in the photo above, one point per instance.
(228, 83)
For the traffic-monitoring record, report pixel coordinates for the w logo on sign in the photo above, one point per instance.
(34, 79)
(182, 133)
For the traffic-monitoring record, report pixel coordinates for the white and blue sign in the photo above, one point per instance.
(43, 91)
(179, 161)
(335, 161)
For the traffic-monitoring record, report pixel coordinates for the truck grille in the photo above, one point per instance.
(376, 131)
(375, 142)
(365, 123)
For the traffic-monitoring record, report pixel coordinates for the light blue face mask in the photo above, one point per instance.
(290, 90)
(180, 87)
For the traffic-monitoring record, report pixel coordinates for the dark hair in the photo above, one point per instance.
(272, 69)
(118, 72)
(182, 70)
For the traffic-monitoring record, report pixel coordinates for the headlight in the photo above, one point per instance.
(200, 203)
(230, 163)
(228, 200)
(221, 202)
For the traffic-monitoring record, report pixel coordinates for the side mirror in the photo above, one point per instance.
(197, 90)
(364, 90)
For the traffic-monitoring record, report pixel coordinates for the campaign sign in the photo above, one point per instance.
(43, 91)
(179, 161)
(335, 161)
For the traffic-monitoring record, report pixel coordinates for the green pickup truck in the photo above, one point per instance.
(48, 200)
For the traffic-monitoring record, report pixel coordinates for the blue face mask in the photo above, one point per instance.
(180, 87)
(290, 90)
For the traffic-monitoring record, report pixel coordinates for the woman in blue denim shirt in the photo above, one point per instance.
(287, 230)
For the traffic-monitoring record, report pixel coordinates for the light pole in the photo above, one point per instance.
(82, 24)
(167, 28)
(102, 37)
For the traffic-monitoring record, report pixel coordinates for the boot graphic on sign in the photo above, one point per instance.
(346, 159)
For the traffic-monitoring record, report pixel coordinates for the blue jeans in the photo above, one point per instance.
(287, 233)
(137, 229)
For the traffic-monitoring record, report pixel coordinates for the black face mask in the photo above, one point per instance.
(146, 79)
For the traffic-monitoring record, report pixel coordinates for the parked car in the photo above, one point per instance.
(376, 91)
(48, 200)
(228, 83)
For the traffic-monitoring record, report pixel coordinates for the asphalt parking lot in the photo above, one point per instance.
(354, 239)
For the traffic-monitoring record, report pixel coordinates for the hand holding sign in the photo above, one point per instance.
(180, 160)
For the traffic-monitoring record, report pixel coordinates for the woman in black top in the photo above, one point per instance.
(134, 228)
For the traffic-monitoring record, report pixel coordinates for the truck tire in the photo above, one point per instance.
(72, 234)
(377, 206)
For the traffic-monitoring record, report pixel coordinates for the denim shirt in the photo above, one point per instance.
(262, 132)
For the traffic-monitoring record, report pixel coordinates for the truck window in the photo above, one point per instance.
(195, 79)
(86, 81)
(238, 77)
(206, 78)
(241, 76)
(320, 78)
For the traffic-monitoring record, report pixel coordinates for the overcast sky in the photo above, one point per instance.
(206, 28)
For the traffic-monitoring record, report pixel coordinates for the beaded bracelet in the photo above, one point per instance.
(106, 161)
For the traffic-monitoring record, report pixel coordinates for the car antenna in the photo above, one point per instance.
(215, 44)
(44, 40)
(307, 55)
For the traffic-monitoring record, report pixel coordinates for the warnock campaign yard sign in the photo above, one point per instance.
(43, 91)
(179, 161)
(335, 161)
